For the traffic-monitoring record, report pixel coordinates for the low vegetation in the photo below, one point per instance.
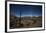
(25, 22)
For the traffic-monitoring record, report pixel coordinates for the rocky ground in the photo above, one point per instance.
(25, 22)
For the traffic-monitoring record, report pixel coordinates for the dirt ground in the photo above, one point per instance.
(25, 22)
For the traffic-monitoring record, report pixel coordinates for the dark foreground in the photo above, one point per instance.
(25, 22)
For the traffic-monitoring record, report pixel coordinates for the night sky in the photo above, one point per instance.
(26, 10)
